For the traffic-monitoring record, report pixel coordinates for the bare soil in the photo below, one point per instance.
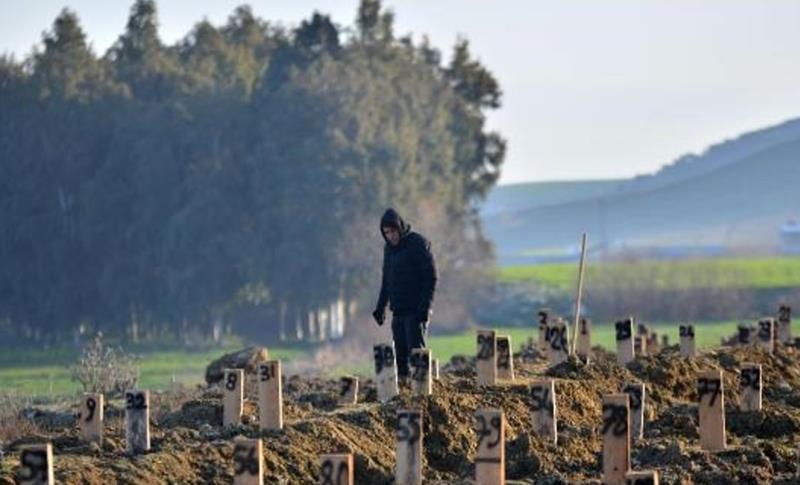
(191, 447)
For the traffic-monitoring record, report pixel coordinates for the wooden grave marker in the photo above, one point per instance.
(750, 381)
(270, 395)
(348, 392)
(744, 335)
(636, 392)
(766, 334)
(232, 397)
(639, 346)
(505, 358)
(409, 447)
(248, 461)
(137, 421)
(711, 410)
(543, 410)
(623, 330)
(336, 469)
(544, 321)
(785, 324)
(490, 466)
(616, 438)
(653, 345)
(686, 334)
(559, 343)
(91, 417)
(642, 477)
(421, 376)
(36, 464)
(486, 358)
(584, 347)
(385, 371)
(435, 367)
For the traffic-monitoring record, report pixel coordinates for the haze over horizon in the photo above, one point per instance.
(591, 92)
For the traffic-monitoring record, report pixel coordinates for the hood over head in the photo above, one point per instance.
(392, 219)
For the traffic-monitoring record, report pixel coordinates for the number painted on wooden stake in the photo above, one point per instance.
(709, 386)
(615, 419)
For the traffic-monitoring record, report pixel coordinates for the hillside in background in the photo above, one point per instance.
(732, 198)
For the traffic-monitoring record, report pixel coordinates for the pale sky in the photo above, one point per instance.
(593, 89)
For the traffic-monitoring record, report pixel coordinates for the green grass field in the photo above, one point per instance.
(47, 373)
(757, 273)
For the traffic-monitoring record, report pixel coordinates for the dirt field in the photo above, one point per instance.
(190, 446)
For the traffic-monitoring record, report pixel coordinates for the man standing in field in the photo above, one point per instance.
(408, 285)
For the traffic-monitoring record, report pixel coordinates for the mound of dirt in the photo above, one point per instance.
(190, 445)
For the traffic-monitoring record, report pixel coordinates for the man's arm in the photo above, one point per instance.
(427, 266)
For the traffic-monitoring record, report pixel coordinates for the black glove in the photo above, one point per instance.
(379, 316)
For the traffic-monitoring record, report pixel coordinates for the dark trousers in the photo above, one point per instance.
(408, 334)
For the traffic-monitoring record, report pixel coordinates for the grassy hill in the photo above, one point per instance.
(738, 204)
(512, 198)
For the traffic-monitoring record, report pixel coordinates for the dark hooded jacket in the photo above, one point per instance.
(409, 271)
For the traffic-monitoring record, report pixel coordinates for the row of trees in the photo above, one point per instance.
(236, 176)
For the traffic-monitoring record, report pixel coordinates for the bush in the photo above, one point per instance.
(104, 369)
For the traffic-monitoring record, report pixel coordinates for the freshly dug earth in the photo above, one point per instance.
(190, 446)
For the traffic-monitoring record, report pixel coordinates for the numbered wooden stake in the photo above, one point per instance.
(686, 334)
(584, 349)
(643, 477)
(505, 359)
(653, 347)
(616, 438)
(420, 367)
(766, 334)
(543, 410)
(385, 371)
(91, 418)
(750, 382)
(248, 462)
(711, 404)
(785, 324)
(486, 360)
(336, 469)
(636, 399)
(435, 369)
(137, 421)
(348, 392)
(232, 397)
(36, 464)
(409, 447)
(639, 346)
(624, 336)
(745, 335)
(270, 395)
(544, 321)
(490, 461)
(559, 343)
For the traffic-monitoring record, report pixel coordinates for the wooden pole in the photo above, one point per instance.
(711, 410)
(579, 294)
(616, 438)
(490, 466)
(248, 461)
(408, 469)
(336, 469)
(91, 418)
(36, 464)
